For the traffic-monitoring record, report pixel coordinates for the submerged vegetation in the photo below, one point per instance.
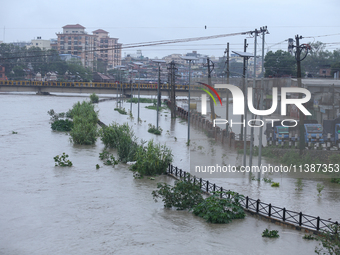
(187, 195)
(153, 130)
(121, 111)
(62, 160)
(94, 98)
(85, 120)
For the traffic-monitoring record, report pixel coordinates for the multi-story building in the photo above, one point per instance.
(108, 49)
(76, 41)
(42, 44)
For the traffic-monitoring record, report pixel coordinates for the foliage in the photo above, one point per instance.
(153, 130)
(183, 195)
(335, 180)
(270, 234)
(275, 184)
(97, 166)
(120, 137)
(299, 184)
(267, 180)
(279, 64)
(152, 159)
(154, 107)
(108, 158)
(62, 160)
(121, 111)
(34, 59)
(319, 188)
(94, 98)
(141, 100)
(14, 133)
(85, 120)
(62, 125)
(330, 241)
(215, 209)
(308, 237)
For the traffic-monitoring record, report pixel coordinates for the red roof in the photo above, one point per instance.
(74, 26)
(100, 31)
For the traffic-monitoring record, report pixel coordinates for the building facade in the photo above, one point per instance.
(108, 49)
(90, 48)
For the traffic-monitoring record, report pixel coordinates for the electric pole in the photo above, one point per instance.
(244, 86)
(253, 96)
(212, 109)
(298, 75)
(227, 93)
(172, 70)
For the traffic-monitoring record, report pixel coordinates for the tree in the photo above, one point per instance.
(279, 64)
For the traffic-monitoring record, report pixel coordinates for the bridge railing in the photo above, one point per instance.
(112, 85)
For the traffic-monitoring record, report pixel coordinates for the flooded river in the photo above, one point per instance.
(81, 210)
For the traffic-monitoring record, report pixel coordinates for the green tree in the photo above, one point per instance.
(279, 64)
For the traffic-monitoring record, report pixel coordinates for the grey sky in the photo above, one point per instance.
(135, 21)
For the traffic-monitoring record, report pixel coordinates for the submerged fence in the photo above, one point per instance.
(298, 219)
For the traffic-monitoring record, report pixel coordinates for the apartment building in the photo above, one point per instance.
(76, 41)
(108, 49)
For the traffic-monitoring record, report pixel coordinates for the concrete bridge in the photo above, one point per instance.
(96, 87)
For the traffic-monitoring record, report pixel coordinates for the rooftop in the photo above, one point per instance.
(74, 26)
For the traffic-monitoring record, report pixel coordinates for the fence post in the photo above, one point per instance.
(257, 205)
(207, 188)
(176, 171)
(184, 175)
(194, 180)
(300, 218)
(221, 192)
(269, 210)
(284, 214)
(180, 173)
(200, 183)
(318, 223)
(247, 201)
(214, 188)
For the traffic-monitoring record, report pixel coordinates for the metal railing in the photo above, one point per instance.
(298, 219)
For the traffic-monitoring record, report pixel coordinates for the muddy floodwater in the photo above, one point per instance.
(81, 210)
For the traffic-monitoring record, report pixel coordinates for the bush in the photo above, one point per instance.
(85, 120)
(121, 111)
(120, 137)
(220, 210)
(183, 195)
(94, 98)
(62, 160)
(152, 159)
(330, 241)
(270, 234)
(62, 125)
(275, 184)
(153, 130)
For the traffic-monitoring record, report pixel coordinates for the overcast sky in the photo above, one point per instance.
(135, 21)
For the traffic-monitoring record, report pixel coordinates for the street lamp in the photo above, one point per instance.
(139, 64)
(190, 59)
(246, 56)
(159, 61)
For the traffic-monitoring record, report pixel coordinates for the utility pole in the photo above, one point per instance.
(212, 108)
(172, 70)
(264, 31)
(253, 96)
(227, 92)
(301, 115)
(244, 86)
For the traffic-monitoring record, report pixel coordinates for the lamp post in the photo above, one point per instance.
(139, 65)
(159, 61)
(246, 56)
(189, 59)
